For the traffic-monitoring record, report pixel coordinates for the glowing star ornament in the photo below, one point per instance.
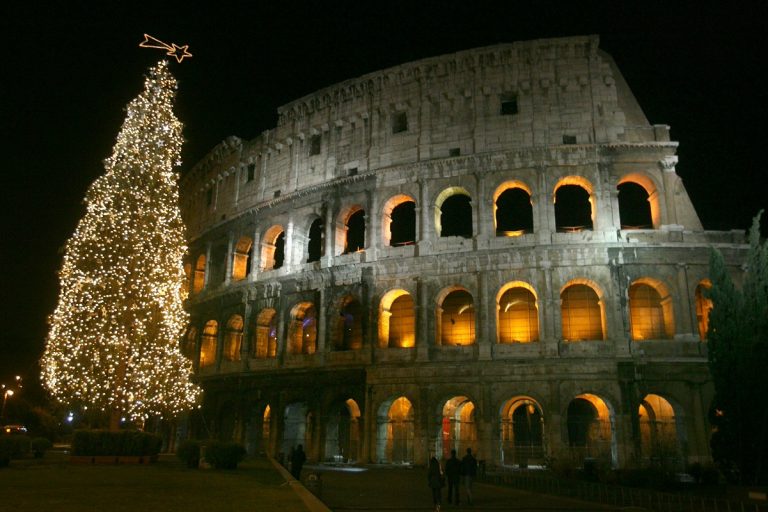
(174, 50)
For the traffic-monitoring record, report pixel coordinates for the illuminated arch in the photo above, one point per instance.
(302, 332)
(342, 432)
(465, 230)
(456, 317)
(575, 215)
(660, 440)
(512, 209)
(458, 430)
(397, 320)
(199, 278)
(398, 226)
(395, 431)
(583, 311)
(349, 326)
(265, 334)
(350, 230)
(650, 310)
(233, 338)
(589, 422)
(273, 248)
(209, 343)
(522, 432)
(241, 259)
(517, 313)
(703, 307)
(654, 200)
(190, 342)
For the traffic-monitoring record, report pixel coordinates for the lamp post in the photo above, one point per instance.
(6, 394)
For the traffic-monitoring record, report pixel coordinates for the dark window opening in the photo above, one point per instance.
(209, 197)
(251, 172)
(276, 194)
(315, 245)
(456, 216)
(508, 105)
(352, 171)
(355, 232)
(569, 139)
(399, 122)
(634, 208)
(279, 251)
(582, 418)
(350, 327)
(514, 213)
(454, 152)
(573, 211)
(314, 145)
(403, 227)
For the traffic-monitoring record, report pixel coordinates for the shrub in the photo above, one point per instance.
(189, 452)
(40, 445)
(224, 455)
(123, 442)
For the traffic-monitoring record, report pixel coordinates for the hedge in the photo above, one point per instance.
(124, 442)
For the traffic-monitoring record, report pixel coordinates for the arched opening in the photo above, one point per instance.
(273, 248)
(394, 443)
(302, 333)
(233, 339)
(574, 208)
(582, 313)
(315, 244)
(397, 320)
(265, 334)
(456, 216)
(518, 314)
(590, 432)
(342, 432)
(241, 262)
(400, 221)
(659, 442)
(208, 344)
(703, 308)
(650, 311)
(190, 342)
(457, 427)
(457, 319)
(514, 212)
(634, 206)
(349, 326)
(297, 428)
(522, 433)
(199, 278)
(355, 227)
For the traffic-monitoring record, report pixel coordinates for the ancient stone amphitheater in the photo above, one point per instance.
(487, 249)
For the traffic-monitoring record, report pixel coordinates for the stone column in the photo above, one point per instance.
(422, 323)
(486, 321)
(229, 258)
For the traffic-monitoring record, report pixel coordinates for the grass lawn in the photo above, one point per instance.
(54, 484)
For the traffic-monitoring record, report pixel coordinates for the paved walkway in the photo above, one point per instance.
(376, 488)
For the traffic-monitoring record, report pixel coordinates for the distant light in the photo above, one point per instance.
(71, 417)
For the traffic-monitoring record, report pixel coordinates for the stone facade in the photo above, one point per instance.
(336, 302)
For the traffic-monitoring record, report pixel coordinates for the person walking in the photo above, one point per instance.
(469, 472)
(297, 461)
(453, 475)
(435, 480)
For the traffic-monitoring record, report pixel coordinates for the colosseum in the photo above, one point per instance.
(487, 249)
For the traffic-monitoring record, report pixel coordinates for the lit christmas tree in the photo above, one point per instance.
(113, 344)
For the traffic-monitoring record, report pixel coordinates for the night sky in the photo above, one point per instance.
(68, 71)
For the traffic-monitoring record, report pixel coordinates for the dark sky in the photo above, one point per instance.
(69, 69)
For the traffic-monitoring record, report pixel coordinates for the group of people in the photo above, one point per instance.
(455, 471)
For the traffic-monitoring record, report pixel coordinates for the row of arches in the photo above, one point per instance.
(574, 210)
(583, 317)
(521, 437)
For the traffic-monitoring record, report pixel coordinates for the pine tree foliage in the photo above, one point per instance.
(113, 343)
(738, 361)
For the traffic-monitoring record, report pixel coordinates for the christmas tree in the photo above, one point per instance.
(113, 344)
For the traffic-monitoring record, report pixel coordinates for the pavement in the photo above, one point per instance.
(404, 489)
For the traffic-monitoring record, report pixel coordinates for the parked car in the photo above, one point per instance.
(14, 429)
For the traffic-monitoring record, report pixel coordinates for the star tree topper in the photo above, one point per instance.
(174, 50)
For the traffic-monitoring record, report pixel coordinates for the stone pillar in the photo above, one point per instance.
(323, 340)
(487, 322)
(229, 258)
(255, 254)
(422, 322)
(685, 325)
(544, 211)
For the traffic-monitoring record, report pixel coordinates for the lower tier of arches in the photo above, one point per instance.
(621, 414)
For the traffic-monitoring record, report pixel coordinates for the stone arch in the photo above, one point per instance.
(264, 343)
(241, 259)
(575, 204)
(513, 209)
(189, 343)
(456, 317)
(458, 430)
(350, 230)
(590, 429)
(315, 239)
(517, 313)
(209, 343)
(397, 320)
(583, 310)
(349, 325)
(302, 331)
(233, 338)
(395, 431)
(652, 197)
(460, 212)
(342, 432)
(703, 307)
(650, 309)
(661, 441)
(198, 281)
(297, 428)
(273, 248)
(522, 432)
(398, 221)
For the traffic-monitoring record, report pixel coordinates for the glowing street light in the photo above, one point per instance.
(6, 394)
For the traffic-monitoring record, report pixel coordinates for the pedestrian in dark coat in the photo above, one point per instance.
(453, 475)
(469, 471)
(435, 481)
(297, 461)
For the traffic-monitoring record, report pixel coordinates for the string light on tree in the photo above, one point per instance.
(113, 339)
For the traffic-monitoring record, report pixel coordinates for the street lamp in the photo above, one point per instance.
(6, 394)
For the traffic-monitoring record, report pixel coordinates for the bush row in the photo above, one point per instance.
(124, 442)
(219, 454)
